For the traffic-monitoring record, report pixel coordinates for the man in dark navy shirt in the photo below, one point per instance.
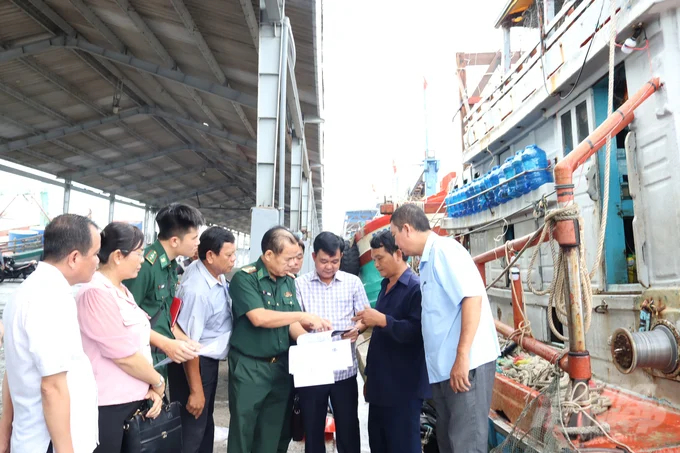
(396, 375)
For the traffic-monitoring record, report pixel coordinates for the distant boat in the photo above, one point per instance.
(22, 244)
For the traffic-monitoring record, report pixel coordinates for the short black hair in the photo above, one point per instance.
(119, 236)
(175, 220)
(66, 233)
(329, 242)
(301, 243)
(411, 214)
(386, 240)
(213, 239)
(275, 239)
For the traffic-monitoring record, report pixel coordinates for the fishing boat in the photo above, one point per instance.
(357, 258)
(578, 133)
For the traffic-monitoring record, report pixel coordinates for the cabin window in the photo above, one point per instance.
(567, 134)
(575, 122)
(582, 121)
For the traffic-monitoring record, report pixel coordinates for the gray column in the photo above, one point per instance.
(304, 217)
(67, 196)
(269, 68)
(295, 183)
(112, 204)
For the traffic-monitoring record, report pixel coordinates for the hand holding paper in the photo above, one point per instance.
(316, 357)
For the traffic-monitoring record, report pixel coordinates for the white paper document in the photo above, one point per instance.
(313, 363)
(314, 337)
(217, 345)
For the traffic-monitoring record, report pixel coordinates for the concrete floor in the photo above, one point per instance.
(221, 403)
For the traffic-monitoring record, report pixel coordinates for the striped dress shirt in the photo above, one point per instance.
(337, 302)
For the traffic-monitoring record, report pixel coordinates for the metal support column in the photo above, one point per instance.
(112, 205)
(295, 183)
(506, 55)
(67, 196)
(283, 86)
(269, 105)
(304, 217)
(268, 99)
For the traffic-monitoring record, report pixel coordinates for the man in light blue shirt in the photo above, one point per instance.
(205, 317)
(461, 345)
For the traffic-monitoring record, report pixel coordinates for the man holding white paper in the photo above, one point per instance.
(205, 317)
(337, 296)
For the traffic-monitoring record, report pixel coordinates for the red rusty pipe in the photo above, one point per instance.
(621, 118)
(517, 298)
(499, 252)
(534, 346)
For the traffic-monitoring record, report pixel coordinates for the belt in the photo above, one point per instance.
(274, 359)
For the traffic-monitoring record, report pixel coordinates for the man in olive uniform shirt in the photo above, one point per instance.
(266, 315)
(156, 284)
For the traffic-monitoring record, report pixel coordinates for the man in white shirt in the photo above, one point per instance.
(50, 378)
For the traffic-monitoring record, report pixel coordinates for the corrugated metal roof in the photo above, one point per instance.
(63, 87)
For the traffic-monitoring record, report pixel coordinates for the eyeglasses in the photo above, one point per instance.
(139, 252)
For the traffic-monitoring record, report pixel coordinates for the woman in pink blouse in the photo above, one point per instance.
(116, 336)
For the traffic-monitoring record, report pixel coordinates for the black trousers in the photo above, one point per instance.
(111, 419)
(395, 429)
(344, 397)
(198, 435)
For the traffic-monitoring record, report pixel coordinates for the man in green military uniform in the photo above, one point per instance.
(266, 315)
(155, 285)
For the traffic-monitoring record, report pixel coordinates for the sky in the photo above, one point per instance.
(376, 55)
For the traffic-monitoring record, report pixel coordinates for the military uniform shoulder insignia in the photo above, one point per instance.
(248, 269)
(151, 256)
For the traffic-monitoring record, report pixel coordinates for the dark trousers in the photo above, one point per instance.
(344, 397)
(463, 418)
(198, 434)
(111, 419)
(286, 432)
(395, 429)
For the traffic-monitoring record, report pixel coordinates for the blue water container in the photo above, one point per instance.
(494, 174)
(457, 198)
(469, 193)
(483, 201)
(448, 201)
(476, 190)
(534, 158)
(521, 185)
(509, 189)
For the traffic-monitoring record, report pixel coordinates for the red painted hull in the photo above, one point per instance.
(642, 424)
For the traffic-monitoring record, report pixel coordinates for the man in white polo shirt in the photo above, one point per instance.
(461, 345)
(50, 378)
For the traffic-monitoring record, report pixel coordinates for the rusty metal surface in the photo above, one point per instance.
(642, 424)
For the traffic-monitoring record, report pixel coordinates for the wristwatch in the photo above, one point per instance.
(160, 383)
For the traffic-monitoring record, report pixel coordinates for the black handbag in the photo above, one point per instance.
(160, 435)
(297, 430)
